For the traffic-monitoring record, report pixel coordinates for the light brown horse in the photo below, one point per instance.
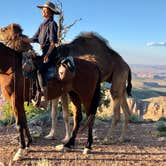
(12, 87)
(114, 70)
(11, 36)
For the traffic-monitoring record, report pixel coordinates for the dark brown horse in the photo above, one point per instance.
(83, 87)
(113, 68)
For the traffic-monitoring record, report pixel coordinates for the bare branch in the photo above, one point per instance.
(62, 29)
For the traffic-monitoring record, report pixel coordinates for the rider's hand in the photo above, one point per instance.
(45, 59)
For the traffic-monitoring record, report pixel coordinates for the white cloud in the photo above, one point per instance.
(156, 44)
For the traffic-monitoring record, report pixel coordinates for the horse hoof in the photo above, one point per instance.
(18, 155)
(49, 137)
(105, 139)
(62, 148)
(86, 151)
(27, 149)
(34, 103)
(65, 140)
(108, 141)
(59, 148)
(123, 140)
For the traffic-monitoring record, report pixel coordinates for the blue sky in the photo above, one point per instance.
(134, 28)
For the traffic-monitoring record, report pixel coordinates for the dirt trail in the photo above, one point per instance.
(141, 148)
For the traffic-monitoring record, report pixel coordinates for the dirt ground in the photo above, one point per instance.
(141, 147)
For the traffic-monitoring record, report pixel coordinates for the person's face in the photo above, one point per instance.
(46, 13)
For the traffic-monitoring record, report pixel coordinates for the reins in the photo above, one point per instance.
(14, 79)
(16, 67)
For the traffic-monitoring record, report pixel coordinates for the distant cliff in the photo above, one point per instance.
(149, 71)
(152, 108)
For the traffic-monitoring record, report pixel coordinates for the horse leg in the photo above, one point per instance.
(127, 114)
(52, 133)
(115, 120)
(27, 133)
(18, 113)
(66, 117)
(87, 148)
(18, 109)
(77, 116)
(90, 106)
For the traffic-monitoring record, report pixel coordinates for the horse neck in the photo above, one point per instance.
(10, 61)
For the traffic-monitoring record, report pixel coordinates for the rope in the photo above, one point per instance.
(24, 89)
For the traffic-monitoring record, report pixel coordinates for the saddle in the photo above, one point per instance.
(29, 68)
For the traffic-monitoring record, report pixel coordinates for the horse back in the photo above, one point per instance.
(84, 80)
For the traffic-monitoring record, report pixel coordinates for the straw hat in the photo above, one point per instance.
(51, 6)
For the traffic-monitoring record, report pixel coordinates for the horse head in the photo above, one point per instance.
(10, 32)
(66, 69)
(11, 36)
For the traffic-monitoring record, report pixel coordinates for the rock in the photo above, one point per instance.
(162, 139)
(36, 131)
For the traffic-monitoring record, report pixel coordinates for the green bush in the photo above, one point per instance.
(161, 126)
(161, 133)
(162, 119)
(103, 101)
(43, 117)
(8, 116)
(134, 118)
(30, 110)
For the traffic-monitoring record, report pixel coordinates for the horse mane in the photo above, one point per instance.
(17, 28)
(86, 37)
(90, 35)
(90, 44)
(11, 52)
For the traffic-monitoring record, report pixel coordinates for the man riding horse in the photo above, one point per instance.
(46, 36)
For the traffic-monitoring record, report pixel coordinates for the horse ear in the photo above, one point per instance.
(11, 26)
(16, 28)
(64, 74)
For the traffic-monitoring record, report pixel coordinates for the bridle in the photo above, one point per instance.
(12, 39)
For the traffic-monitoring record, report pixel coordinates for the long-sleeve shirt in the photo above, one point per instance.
(46, 34)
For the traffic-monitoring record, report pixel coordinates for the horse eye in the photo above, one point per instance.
(64, 65)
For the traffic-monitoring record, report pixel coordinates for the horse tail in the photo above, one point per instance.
(129, 85)
(96, 97)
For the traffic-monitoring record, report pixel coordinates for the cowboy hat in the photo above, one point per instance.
(51, 6)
